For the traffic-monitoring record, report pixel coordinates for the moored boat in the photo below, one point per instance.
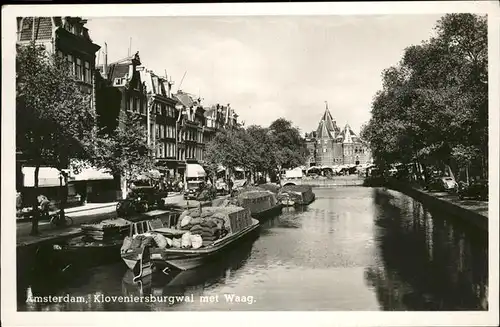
(296, 195)
(197, 239)
(185, 259)
(261, 203)
(100, 243)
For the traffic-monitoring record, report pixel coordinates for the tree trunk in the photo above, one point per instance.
(64, 198)
(35, 212)
(467, 173)
(123, 185)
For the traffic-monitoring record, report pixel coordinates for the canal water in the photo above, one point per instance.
(354, 248)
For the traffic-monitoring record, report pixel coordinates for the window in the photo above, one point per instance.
(79, 69)
(324, 150)
(88, 75)
(131, 104)
(137, 106)
(71, 64)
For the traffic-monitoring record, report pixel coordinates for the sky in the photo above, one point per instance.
(269, 67)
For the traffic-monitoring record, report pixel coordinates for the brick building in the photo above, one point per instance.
(333, 146)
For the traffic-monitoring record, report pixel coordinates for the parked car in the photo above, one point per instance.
(442, 183)
(141, 199)
(475, 190)
(221, 187)
(193, 189)
(449, 184)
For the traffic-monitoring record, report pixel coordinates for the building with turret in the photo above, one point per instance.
(333, 146)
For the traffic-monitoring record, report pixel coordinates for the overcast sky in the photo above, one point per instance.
(269, 67)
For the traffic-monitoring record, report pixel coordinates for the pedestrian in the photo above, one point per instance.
(43, 204)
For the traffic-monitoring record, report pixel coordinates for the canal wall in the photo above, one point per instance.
(331, 182)
(474, 217)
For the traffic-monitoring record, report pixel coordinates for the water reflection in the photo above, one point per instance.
(101, 292)
(430, 262)
(354, 248)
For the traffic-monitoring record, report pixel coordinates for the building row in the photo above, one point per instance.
(329, 145)
(178, 124)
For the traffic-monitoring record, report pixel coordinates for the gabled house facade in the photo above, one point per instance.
(190, 126)
(67, 37)
(163, 115)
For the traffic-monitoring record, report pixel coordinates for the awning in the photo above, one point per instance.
(92, 174)
(47, 177)
(195, 170)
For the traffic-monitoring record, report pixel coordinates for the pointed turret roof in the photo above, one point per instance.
(348, 136)
(327, 127)
(323, 132)
(328, 119)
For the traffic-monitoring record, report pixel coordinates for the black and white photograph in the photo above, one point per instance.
(338, 158)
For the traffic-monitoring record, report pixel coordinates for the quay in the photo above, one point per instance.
(92, 213)
(472, 211)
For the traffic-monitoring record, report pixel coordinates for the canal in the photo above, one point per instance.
(354, 248)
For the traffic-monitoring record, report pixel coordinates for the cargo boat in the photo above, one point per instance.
(296, 195)
(242, 226)
(99, 244)
(263, 204)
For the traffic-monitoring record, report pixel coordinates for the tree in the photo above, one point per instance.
(124, 151)
(54, 117)
(227, 149)
(290, 147)
(434, 103)
(262, 150)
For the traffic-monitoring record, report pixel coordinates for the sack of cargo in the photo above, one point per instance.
(176, 242)
(185, 221)
(195, 213)
(195, 229)
(127, 242)
(147, 241)
(136, 243)
(196, 241)
(183, 214)
(186, 240)
(205, 214)
(209, 223)
(195, 221)
(160, 240)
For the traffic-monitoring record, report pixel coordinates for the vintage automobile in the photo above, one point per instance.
(141, 199)
(442, 183)
(474, 190)
(193, 189)
(221, 187)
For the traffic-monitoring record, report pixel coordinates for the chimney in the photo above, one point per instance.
(105, 64)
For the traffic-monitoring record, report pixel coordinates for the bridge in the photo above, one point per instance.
(350, 180)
